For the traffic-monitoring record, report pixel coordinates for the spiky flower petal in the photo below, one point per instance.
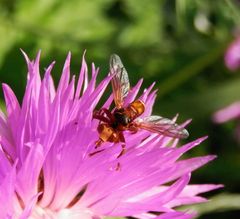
(228, 113)
(232, 55)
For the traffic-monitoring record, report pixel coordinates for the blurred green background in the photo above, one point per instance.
(180, 44)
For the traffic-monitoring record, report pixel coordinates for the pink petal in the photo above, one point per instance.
(227, 113)
(34, 161)
(7, 194)
(64, 80)
(232, 55)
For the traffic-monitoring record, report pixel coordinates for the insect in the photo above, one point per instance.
(114, 123)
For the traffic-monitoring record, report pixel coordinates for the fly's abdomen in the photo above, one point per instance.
(107, 133)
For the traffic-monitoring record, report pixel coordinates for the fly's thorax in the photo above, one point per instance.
(121, 117)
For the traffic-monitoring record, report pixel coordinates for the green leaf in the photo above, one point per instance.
(218, 203)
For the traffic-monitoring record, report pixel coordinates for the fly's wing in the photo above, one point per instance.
(162, 126)
(120, 81)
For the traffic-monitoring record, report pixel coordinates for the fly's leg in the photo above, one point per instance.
(123, 151)
(123, 145)
(133, 128)
(101, 118)
(98, 143)
(103, 115)
(96, 152)
(108, 114)
(118, 167)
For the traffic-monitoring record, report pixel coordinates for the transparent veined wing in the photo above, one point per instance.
(162, 126)
(120, 81)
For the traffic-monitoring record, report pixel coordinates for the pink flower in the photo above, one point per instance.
(231, 112)
(228, 113)
(46, 171)
(232, 55)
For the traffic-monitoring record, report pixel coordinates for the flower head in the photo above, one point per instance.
(232, 55)
(46, 170)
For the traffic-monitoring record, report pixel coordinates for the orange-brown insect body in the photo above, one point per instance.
(107, 133)
(120, 120)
